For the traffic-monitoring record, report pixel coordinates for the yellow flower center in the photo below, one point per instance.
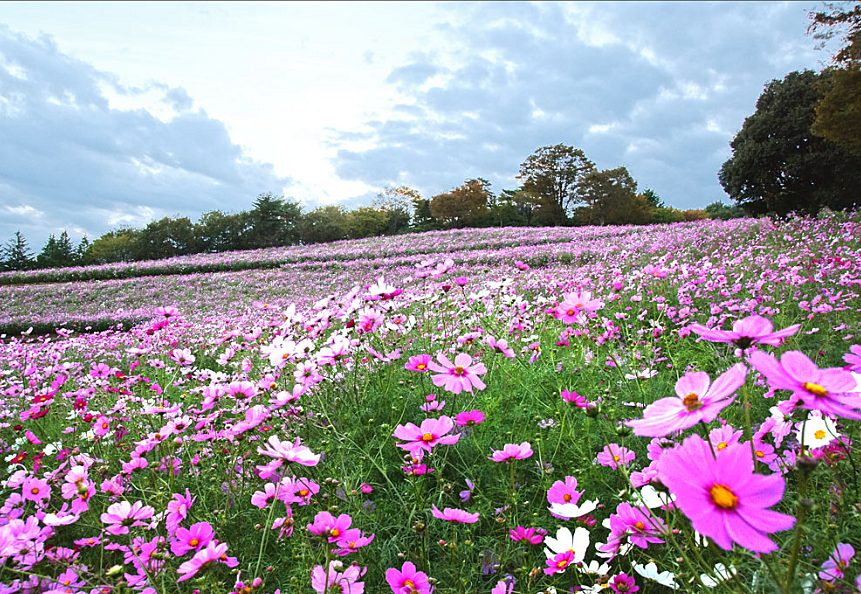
(427, 437)
(722, 445)
(421, 366)
(334, 532)
(35, 490)
(566, 497)
(819, 434)
(459, 370)
(409, 584)
(723, 497)
(639, 525)
(760, 454)
(194, 542)
(303, 492)
(692, 402)
(561, 564)
(285, 356)
(616, 458)
(815, 389)
(571, 312)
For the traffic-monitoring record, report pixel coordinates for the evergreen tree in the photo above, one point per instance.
(16, 255)
(81, 250)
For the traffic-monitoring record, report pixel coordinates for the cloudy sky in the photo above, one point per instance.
(118, 113)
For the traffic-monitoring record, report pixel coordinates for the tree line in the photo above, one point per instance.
(799, 152)
(559, 186)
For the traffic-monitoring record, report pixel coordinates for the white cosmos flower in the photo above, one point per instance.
(650, 572)
(818, 431)
(572, 510)
(594, 568)
(721, 573)
(652, 498)
(565, 541)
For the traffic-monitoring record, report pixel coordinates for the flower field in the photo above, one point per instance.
(620, 409)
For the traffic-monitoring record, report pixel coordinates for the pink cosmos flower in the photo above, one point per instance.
(407, 580)
(749, 331)
(829, 390)
(839, 559)
(500, 346)
(473, 417)
(724, 436)
(270, 493)
(574, 305)
(290, 452)
(330, 527)
(193, 538)
(723, 498)
(637, 524)
(123, 515)
(532, 535)
(622, 583)
(177, 510)
(418, 363)
(615, 455)
(431, 433)
(347, 582)
(213, 553)
(458, 376)
(512, 450)
(563, 498)
(698, 400)
(559, 563)
(35, 489)
(853, 358)
(574, 399)
(450, 514)
(351, 541)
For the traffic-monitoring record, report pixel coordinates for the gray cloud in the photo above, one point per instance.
(659, 88)
(68, 160)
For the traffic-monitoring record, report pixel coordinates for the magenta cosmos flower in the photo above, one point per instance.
(472, 417)
(347, 581)
(123, 515)
(837, 562)
(723, 498)
(458, 376)
(213, 553)
(408, 580)
(698, 400)
(575, 304)
(531, 535)
(829, 390)
(615, 455)
(418, 363)
(746, 332)
(451, 514)
(431, 433)
(512, 450)
(328, 526)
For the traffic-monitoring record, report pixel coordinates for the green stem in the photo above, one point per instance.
(799, 524)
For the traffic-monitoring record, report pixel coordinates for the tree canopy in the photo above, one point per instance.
(778, 165)
(554, 176)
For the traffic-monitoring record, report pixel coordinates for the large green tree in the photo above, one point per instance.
(778, 165)
(838, 115)
(273, 221)
(323, 224)
(464, 206)
(611, 199)
(553, 176)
